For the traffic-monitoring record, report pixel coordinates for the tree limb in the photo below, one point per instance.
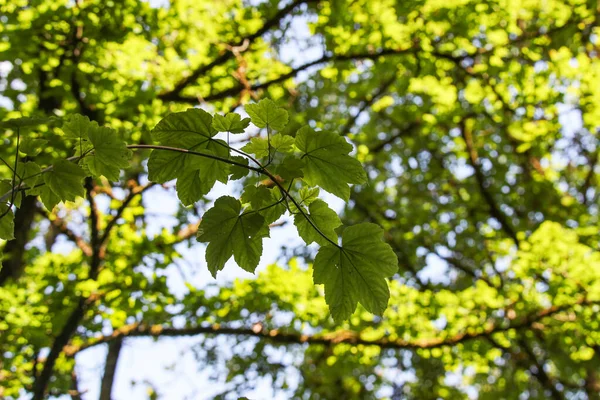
(173, 95)
(112, 357)
(277, 336)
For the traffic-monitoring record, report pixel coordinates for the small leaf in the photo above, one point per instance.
(257, 146)
(48, 197)
(231, 122)
(77, 127)
(110, 153)
(229, 233)
(266, 113)
(327, 163)
(308, 194)
(238, 172)
(282, 143)
(266, 200)
(324, 218)
(30, 172)
(7, 223)
(356, 271)
(32, 147)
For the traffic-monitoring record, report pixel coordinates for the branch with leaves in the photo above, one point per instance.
(190, 151)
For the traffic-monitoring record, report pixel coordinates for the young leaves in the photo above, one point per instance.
(324, 218)
(232, 123)
(265, 201)
(229, 233)
(77, 127)
(266, 114)
(356, 271)
(327, 163)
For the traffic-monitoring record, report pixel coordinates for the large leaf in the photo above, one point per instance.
(323, 217)
(327, 163)
(355, 272)
(190, 130)
(110, 153)
(266, 113)
(229, 233)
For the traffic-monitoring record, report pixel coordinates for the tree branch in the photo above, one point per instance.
(173, 95)
(380, 91)
(233, 91)
(329, 339)
(61, 226)
(137, 190)
(489, 199)
(40, 385)
(112, 357)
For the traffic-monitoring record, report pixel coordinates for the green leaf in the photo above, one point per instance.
(327, 163)
(231, 122)
(110, 153)
(77, 127)
(190, 130)
(266, 201)
(324, 218)
(236, 171)
(356, 271)
(48, 197)
(30, 172)
(229, 233)
(282, 143)
(32, 147)
(7, 223)
(257, 146)
(190, 187)
(198, 179)
(266, 113)
(308, 194)
(65, 180)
